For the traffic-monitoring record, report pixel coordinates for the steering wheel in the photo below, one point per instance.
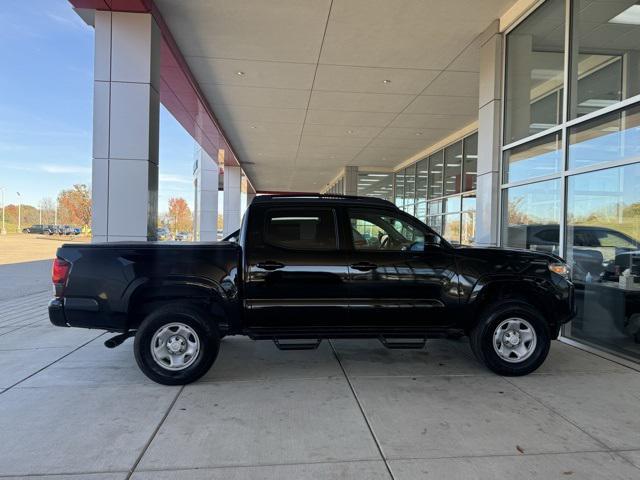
(384, 242)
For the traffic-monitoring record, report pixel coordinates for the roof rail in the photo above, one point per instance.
(331, 196)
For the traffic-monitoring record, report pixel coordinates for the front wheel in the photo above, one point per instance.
(176, 344)
(511, 338)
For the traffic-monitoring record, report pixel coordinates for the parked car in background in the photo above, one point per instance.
(163, 233)
(183, 236)
(301, 271)
(40, 229)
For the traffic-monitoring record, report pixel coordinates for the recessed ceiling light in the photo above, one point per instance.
(349, 132)
(240, 73)
(386, 81)
(630, 16)
(418, 134)
(253, 126)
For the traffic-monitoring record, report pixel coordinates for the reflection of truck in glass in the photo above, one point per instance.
(596, 252)
(598, 257)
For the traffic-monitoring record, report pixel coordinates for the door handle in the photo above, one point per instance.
(270, 265)
(364, 266)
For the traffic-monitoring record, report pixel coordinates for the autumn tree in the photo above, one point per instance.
(74, 205)
(180, 217)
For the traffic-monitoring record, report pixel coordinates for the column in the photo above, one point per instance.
(232, 204)
(350, 180)
(126, 106)
(488, 189)
(206, 204)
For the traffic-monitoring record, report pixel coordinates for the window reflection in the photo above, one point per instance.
(453, 169)
(534, 159)
(603, 247)
(436, 169)
(422, 176)
(609, 138)
(607, 35)
(399, 189)
(532, 216)
(470, 162)
(451, 228)
(535, 72)
(409, 188)
(379, 185)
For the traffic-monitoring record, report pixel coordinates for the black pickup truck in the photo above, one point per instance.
(306, 268)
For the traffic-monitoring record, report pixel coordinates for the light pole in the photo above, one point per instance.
(19, 212)
(4, 230)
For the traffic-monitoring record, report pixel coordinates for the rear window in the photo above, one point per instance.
(301, 229)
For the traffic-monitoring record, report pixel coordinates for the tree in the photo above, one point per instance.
(74, 205)
(48, 209)
(180, 217)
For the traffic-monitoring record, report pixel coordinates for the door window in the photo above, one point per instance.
(381, 230)
(301, 229)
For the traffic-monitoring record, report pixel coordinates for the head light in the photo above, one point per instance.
(560, 269)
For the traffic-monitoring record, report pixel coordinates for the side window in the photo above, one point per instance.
(301, 229)
(381, 230)
(614, 239)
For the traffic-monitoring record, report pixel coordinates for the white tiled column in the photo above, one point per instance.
(232, 201)
(126, 106)
(206, 215)
(488, 189)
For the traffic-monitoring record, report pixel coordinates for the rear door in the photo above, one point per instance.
(296, 270)
(401, 274)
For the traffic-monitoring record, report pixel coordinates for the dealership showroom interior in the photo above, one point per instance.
(231, 167)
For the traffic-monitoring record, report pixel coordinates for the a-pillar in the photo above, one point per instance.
(206, 204)
(232, 201)
(488, 188)
(125, 127)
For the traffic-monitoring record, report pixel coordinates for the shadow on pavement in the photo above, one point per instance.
(20, 279)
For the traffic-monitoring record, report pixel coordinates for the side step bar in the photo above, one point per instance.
(297, 345)
(403, 344)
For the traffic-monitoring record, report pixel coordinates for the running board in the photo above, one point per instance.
(403, 344)
(297, 345)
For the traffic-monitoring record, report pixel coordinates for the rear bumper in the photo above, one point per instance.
(56, 313)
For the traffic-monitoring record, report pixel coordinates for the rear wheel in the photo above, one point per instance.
(176, 344)
(511, 338)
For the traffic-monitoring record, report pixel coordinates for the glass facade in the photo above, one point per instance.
(373, 184)
(571, 166)
(440, 190)
(535, 72)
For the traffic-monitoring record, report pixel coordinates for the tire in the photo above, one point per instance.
(505, 358)
(185, 328)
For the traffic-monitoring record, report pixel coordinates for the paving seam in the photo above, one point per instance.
(155, 432)
(364, 415)
(530, 395)
(48, 365)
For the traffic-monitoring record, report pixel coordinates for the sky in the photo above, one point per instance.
(46, 102)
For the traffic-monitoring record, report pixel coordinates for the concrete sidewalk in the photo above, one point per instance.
(70, 408)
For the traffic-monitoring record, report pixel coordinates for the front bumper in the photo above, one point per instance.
(56, 313)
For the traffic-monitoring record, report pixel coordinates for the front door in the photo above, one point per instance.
(401, 274)
(297, 272)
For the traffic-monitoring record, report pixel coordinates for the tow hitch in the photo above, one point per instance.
(113, 342)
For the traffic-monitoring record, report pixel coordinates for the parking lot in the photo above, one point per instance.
(70, 408)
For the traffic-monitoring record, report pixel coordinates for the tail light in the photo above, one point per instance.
(59, 275)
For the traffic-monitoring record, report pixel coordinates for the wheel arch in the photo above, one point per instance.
(533, 291)
(148, 296)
